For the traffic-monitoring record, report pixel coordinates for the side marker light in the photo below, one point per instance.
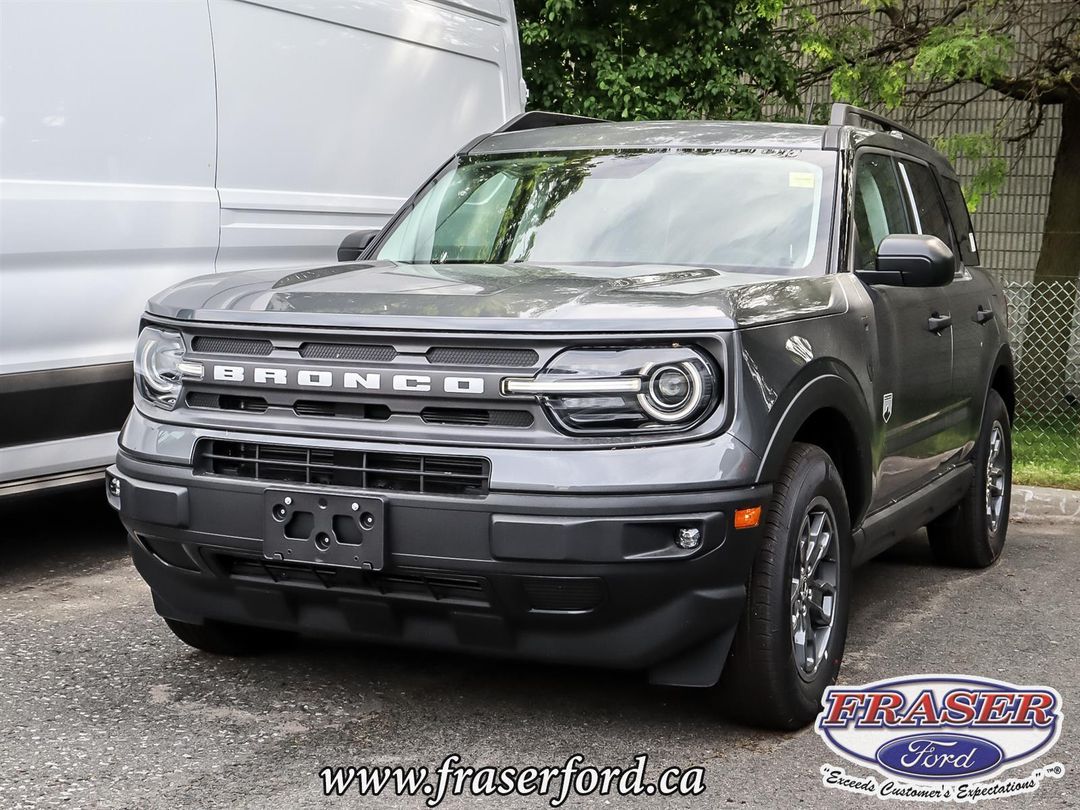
(747, 518)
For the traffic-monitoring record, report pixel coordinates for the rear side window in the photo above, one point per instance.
(930, 213)
(879, 208)
(961, 221)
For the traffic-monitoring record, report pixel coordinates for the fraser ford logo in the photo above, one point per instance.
(940, 737)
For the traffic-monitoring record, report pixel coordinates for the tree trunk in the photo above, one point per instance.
(1059, 255)
(1044, 392)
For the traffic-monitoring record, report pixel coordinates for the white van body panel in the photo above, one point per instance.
(326, 125)
(142, 143)
(53, 462)
(107, 145)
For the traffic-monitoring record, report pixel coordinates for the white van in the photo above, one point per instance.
(147, 141)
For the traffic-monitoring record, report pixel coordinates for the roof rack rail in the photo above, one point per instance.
(539, 119)
(849, 115)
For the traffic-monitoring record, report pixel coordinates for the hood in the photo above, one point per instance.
(500, 297)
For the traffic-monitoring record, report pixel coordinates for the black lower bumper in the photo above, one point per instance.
(580, 579)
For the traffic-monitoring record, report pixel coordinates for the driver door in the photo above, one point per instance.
(913, 355)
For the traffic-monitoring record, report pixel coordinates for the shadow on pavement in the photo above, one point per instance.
(71, 532)
(61, 531)
(423, 683)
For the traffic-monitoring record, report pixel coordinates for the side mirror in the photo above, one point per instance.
(911, 260)
(355, 243)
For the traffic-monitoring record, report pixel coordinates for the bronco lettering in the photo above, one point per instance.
(349, 380)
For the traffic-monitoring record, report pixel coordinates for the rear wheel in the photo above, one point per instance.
(790, 640)
(220, 638)
(972, 533)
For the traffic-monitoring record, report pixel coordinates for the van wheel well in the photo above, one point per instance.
(1005, 384)
(830, 430)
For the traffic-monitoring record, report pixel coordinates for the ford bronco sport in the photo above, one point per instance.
(638, 395)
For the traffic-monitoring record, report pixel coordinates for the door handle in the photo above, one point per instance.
(983, 315)
(939, 323)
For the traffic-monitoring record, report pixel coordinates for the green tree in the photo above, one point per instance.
(654, 60)
(888, 53)
(912, 53)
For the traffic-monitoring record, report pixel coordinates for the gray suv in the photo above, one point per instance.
(638, 395)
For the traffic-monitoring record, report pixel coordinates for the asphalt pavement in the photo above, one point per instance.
(100, 706)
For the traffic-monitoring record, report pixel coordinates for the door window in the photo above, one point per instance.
(961, 221)
(879, 206)
(930, 216)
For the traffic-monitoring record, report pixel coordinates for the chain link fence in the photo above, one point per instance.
(1044, 328)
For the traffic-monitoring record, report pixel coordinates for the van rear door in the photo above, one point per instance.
(331, 114)
(106, 196)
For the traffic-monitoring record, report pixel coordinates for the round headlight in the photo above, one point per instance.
(670, 386)
(157, 359)
(624, 389)
(672, 392)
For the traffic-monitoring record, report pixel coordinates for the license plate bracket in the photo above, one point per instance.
(339, 530)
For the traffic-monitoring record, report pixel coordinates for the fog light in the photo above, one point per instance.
(688, 538)
(114, 487)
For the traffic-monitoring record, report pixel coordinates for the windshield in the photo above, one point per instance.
(752, 209)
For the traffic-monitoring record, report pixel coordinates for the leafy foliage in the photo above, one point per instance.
(650, 60)
(907, 54)
(984, 152)
(727, 58)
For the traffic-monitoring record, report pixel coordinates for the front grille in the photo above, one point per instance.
(348, 351)
(450, 356)
(476, 417)
(226, 402)
(371, 412)
(406, 584)
(355, 469)
(341, 410)
(222, 345)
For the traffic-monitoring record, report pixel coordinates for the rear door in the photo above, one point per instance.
(331, 114)
(912, 364)
(969, 292)
(978, 313)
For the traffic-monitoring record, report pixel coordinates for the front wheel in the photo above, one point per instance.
(972, 533)
(790, 640)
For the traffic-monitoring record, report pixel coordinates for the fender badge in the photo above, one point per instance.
(886, 407)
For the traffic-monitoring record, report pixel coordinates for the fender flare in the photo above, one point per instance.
(1003, 360)
(824, 385)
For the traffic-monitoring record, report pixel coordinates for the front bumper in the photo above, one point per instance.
(585, 579)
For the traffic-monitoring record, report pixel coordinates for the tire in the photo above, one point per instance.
(970, 535)
(219, 638)
(763, 683)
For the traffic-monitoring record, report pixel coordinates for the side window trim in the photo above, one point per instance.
(913, 205)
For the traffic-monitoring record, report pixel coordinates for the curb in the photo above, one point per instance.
(1032, 504)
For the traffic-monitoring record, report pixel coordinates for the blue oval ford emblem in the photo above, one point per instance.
(938, 755)
(936, 729)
